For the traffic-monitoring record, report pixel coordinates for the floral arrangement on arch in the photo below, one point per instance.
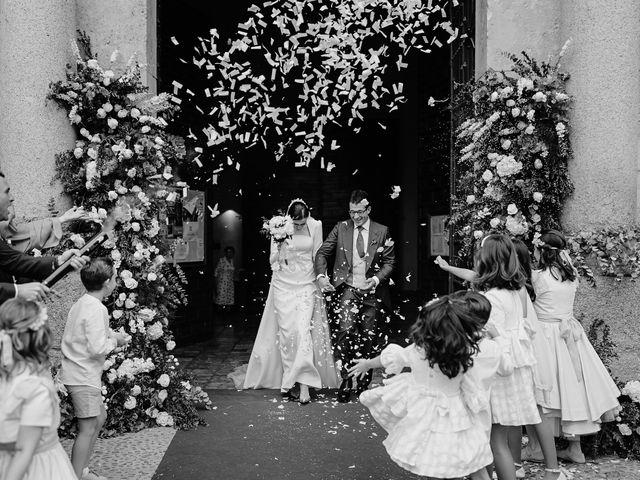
(512, 150)
(123, 163)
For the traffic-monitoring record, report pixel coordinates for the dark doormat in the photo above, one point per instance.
(254, 435)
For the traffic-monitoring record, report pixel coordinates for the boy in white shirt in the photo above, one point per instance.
(86, 341)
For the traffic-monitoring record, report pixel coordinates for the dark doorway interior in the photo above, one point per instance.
(408, 147)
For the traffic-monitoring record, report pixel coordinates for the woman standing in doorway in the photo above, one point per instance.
(224, 273)
(293, 344)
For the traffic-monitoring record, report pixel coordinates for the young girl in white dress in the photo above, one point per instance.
(582, 392)
(29, 412)
(513, 397)
(436, 415)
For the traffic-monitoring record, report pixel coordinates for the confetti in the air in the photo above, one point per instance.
(395, 191)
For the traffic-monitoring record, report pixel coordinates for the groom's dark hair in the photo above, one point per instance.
(359, 195)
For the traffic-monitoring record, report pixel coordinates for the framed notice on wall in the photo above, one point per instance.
(183, 224)
(438, 236)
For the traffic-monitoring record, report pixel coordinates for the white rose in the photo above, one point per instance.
(537, 196)
(92, 63)
(515, 112)
(112, 195)
(152, 277)
(102, 213)
(116, 255)
(129, 303)
(164, 380)
(506, 144)
(126, 153)
(122, 113)
(78, 152)
(130, 283)
(135, 113)
(130, 403)
(529, 130)
(162, 395)
(136, 390)
(112, 122)
(539, 97)
(132, 172)
(624, 429)
(135, 226)
(122, 190)
(535, 218)
(471, 199)
(171, 345)
(145, 129)
(512, 209)
(494, 222)
(478, 234)
(537, 164)
(107, 107)
(487, 175)
(101, 113)
(93, 153)
(531, 114)
(111, 376)
(511, 103)
(493, 97)
(77, 240)
(117, 314)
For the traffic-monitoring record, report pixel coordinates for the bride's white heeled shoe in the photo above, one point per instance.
(520, 473)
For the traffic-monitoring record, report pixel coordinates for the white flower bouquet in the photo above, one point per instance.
(280, 230)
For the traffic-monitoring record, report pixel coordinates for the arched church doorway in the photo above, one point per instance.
(409, 148)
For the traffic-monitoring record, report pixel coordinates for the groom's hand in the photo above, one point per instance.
(325, 285)
(369, 284)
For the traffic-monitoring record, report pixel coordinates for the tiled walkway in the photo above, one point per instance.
(229, 347)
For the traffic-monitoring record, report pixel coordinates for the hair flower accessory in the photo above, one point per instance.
(39, 321)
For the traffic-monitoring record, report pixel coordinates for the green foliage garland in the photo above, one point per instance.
(123, 163)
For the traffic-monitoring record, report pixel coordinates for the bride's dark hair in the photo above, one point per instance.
(448, 334)
(298, 210)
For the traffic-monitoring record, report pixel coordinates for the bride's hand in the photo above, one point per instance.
(441, 262)
(360, 368)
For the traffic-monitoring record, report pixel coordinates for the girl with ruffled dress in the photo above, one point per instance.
(436, 415)
(29, 412)
(582, 393)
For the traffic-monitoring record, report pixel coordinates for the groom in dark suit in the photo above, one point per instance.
(364, 260)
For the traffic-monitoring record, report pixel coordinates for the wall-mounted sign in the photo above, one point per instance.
(438, 236)
(183, 223)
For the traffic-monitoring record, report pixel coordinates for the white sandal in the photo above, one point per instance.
(520, 473)
(562, 476)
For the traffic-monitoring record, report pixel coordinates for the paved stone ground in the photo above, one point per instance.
(133, 456)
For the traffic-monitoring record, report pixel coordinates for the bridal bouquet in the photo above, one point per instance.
(279, 229)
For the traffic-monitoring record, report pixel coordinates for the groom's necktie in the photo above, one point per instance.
(360, 243)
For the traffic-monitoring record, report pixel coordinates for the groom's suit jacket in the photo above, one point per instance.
(380, 259)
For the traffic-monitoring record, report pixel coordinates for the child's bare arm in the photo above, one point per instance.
(26, 443)
(463, 273)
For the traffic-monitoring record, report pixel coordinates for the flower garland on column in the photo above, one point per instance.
(512, 152)
(123, 163)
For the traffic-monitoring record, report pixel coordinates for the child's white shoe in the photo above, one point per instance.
(520, 473)
(89, 475)
(562, 476)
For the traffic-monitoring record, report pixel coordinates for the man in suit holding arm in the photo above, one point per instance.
(18, 264)
(364, 260)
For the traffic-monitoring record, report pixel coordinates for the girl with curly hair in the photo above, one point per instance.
(435, 414)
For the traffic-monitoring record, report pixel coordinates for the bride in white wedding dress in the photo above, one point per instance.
(293, 343)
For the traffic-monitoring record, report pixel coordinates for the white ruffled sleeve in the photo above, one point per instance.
(394, 358)
(498, 316)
